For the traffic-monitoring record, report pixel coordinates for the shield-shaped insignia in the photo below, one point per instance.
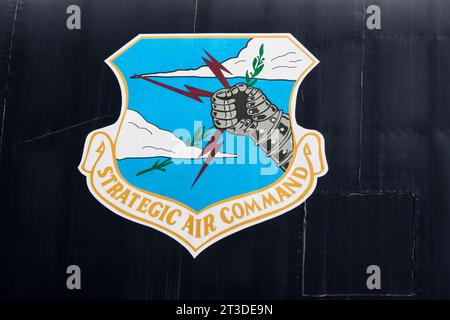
(207, 142)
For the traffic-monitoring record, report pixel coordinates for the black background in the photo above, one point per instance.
(379, 97)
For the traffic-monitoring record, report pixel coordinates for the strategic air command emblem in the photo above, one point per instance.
(207, 142)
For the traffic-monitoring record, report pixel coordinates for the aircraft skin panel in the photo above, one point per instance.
(377, 98)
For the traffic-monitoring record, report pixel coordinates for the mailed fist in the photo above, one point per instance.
(239, 108)
(244, 110)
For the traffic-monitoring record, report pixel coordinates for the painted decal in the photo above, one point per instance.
(207, 142)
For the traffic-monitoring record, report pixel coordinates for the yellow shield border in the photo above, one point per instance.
(100, 142)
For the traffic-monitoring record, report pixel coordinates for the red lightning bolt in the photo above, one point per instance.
(215, 67)
(193, 93)
(212, 146)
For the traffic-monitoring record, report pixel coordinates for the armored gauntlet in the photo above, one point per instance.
(244, 110)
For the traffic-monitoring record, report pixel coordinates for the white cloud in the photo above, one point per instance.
(141, 139)
(283, 61)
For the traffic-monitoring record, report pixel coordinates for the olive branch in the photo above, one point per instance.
(156, 166)
(199, 135)
(257, 65)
